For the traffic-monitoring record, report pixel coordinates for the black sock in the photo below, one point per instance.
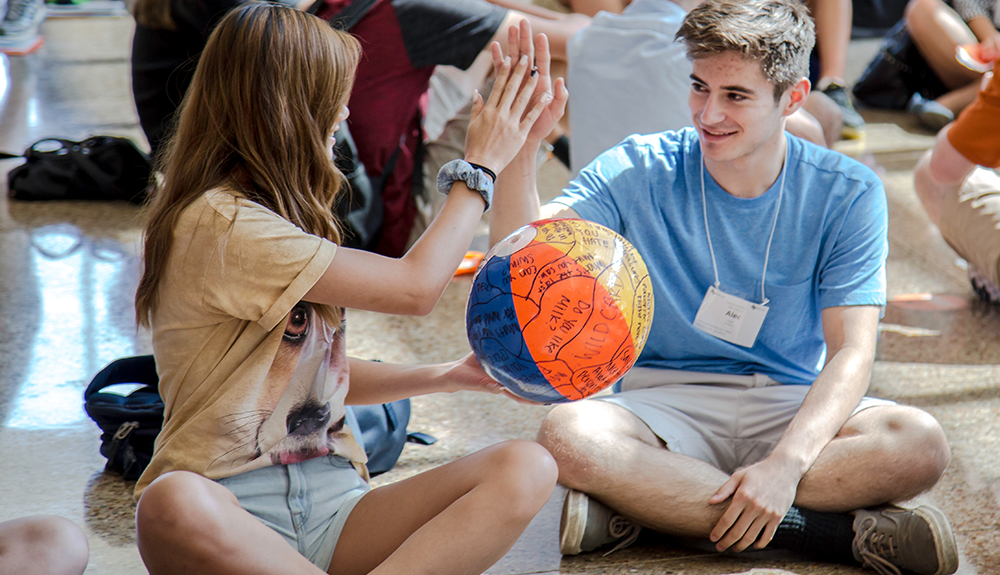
(824, 536)
(560, 149)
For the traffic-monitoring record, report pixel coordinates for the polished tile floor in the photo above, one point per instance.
(68, 274)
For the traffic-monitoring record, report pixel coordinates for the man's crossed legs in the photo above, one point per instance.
(659, 469)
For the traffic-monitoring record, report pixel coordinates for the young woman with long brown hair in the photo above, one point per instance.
(257, 469)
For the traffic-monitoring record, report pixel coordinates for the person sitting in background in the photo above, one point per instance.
(960, 190)
(619, 52)
(833, 34)
(937, 30)
(42, 545)
(403, 40)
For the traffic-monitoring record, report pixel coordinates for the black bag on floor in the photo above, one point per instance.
(897, 72)
(130, 423)
(98, 168)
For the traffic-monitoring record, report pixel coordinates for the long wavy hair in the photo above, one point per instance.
(256, 120)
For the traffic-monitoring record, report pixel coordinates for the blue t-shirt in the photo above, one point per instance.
(829, 248)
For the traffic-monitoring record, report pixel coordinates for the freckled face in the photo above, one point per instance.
(733, 109)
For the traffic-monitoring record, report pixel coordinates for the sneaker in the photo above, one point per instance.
(23, 19)
(587, 525)
(931, 114)
(892, 539)
(985, 289)
(853, 122)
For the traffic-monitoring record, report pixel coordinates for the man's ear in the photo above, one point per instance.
(797, 96)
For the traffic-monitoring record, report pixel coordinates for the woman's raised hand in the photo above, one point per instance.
(521, 95)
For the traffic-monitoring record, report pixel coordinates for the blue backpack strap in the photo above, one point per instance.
(420, 438)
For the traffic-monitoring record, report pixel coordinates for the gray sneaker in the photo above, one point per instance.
(930, 113)
(853, 122)
(587, 524)
(891, 540)
(22, 19)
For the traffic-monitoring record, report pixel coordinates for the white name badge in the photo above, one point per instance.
(730, 318)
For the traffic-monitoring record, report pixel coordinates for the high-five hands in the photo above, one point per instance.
(518, 44)
(525, 104)
(499, 127)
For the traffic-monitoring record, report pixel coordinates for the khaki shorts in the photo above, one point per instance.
(970, 222)
(727, 421)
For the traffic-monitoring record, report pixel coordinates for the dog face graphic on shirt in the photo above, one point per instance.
(299, 414)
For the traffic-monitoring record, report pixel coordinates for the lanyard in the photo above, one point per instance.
(767, 253)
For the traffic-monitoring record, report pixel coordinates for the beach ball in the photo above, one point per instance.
(559, 310)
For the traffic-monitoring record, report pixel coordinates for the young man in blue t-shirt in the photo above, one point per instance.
(754, 432)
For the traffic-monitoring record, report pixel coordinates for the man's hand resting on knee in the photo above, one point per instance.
(761, 496)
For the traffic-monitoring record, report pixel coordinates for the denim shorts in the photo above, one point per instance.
(307, 503)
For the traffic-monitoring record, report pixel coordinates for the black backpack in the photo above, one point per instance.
(98, 168)
(896, 72)
(130, 423)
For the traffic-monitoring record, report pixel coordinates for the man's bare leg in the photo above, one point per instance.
(883, 454)
(936, 30)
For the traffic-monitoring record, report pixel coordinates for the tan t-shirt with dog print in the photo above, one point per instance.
(250, 375)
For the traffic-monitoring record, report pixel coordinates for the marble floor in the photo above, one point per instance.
(68, 273)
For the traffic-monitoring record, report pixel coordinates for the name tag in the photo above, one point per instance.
(730, 318)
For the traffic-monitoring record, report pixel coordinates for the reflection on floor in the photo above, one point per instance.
(68, 274)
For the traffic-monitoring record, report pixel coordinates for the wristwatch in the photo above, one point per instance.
(474, 178)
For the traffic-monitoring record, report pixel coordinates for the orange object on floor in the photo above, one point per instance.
(469, 263)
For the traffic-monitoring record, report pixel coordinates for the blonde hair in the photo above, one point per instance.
(256, 119)
(779, 34)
